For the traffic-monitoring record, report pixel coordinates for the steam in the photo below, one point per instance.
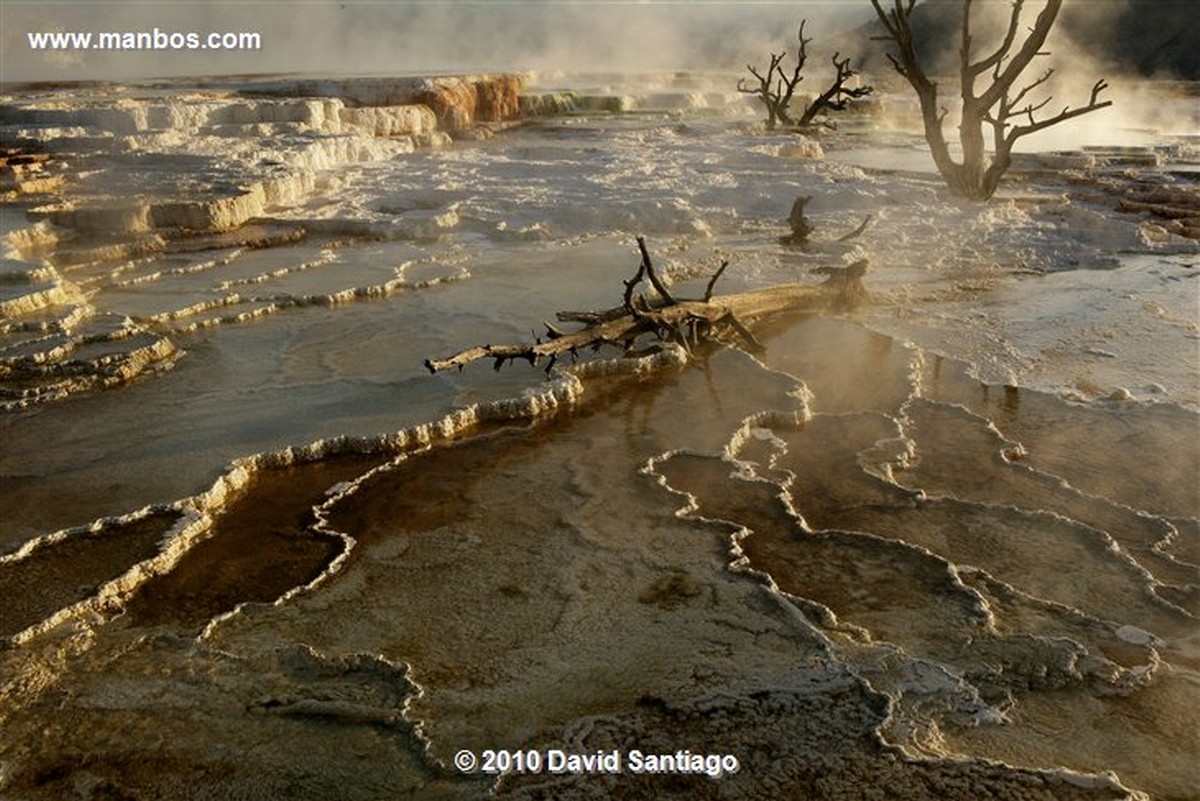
(1089, 41)
(1084, 46)
(416, 37)
(332, 38)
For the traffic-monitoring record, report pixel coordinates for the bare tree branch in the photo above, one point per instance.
(652, 276)
(838, 96)
(1026, 90)
(1066, 114)
(772, 98)
(1031, 48)
(997, 58)
(787, 87)
(712, 282)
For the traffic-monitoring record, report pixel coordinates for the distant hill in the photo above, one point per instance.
(1151, 38)
(1155, 38)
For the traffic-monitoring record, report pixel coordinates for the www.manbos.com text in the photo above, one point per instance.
(144, 40)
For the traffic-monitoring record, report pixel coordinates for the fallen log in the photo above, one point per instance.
(683, 321)
(1158, 209)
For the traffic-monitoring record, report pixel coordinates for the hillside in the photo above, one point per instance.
(1151, 38)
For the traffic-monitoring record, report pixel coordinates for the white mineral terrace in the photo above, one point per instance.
(942, 545)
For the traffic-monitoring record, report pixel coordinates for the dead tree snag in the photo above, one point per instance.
(776, 87)
(1007, 111)
(665, 318)
(802, 229)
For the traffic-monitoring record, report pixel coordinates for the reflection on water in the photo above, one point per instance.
(737, 529)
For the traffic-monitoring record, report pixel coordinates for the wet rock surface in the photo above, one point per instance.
(925, 550)
(801, 595)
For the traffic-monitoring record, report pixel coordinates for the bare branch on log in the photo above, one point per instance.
(712, 282)
(680, 320)
(652, 276)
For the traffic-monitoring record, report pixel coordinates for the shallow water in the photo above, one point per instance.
(905, 547)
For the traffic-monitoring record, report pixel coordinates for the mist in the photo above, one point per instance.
(416, 37)
(1126, 43)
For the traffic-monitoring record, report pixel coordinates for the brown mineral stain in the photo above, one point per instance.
(58, 574)
(261, 547)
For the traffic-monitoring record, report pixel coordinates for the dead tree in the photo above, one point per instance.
(776, 87)
(1008, 112)
(664, 317)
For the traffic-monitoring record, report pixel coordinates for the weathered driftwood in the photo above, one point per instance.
(684, 321)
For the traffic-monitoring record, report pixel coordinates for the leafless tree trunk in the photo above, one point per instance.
(1008, 113)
